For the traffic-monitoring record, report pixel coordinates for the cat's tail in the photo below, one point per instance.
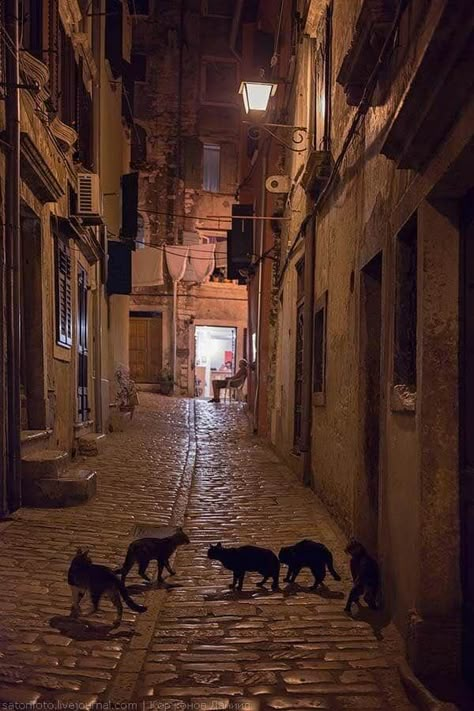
(330, 567)
(128, 600)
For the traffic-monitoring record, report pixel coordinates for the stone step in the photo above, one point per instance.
(88, 445)
(43, 464)
(32, 440)
(74, 487)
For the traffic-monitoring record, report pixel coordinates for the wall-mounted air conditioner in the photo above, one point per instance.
(89, 197)
(278, 184)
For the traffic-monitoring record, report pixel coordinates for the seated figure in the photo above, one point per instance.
(235, 381)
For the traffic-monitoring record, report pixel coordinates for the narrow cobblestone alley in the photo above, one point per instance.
(199, 645)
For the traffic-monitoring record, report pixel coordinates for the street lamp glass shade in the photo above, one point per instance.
(256, 95)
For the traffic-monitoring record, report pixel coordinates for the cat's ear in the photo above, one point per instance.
(219, 545)
(79, 551)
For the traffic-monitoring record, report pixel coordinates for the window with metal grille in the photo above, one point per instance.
(82, 346)
(63, 292)
(211, 168)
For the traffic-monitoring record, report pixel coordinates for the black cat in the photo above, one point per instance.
(247, 559)
(144, 550)
(98, 580)
(308, 554)
(365, 574)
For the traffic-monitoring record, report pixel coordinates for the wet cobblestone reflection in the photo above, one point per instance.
(210, 648)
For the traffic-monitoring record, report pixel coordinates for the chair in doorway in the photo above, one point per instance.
(234, 392)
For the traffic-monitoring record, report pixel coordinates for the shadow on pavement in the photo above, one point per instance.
(292, 589)
(83, 630)
(377, 619)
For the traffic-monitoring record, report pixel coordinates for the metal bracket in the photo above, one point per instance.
(297, 134)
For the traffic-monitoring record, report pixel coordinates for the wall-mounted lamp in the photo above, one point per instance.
(256, 95)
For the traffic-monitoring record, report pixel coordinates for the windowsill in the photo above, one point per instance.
(402, 399)
(80, 425)
(319, 399)
(61, 352)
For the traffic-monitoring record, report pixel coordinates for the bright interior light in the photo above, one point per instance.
(256, 95)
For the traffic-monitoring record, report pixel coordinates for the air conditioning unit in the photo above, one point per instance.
(89, 197)
(278, 184)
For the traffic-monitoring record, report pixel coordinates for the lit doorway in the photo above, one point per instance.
(215, 356)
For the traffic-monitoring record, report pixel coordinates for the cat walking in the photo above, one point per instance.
(144, 550)
(98, 580)
(365, 575)
(247, 559)
(308, 554)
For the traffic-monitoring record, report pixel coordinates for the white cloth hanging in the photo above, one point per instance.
(200, 263)
(147, 267)
(176, 260)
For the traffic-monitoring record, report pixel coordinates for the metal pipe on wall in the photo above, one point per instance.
(308, 308)
(260, 283)
(13, 258)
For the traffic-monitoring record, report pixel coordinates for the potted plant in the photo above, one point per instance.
(166, 381)
(126, 396)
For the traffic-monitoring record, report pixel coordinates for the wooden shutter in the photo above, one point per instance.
(228, 168)
(192, 147)
(63, 293)
(129, 207)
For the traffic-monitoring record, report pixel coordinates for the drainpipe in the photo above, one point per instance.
(309, 272)
(99, 288)
(13, 256)
(260, 280)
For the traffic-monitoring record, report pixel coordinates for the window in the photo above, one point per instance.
(219, 82)
(139, 7)
(138, 156)
(211, 168)
(63, 292)
(82, 346)
(319, 347)
(31, 26)
(404, 366)
(114, 35)
(220, 255)
(141, 239)
(321, 104)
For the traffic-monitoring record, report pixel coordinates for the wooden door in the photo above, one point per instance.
(467, 430)
(146, 348)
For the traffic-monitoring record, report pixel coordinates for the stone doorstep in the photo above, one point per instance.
(73, 488)
(43, 464)
(88, 444)
(34, 439)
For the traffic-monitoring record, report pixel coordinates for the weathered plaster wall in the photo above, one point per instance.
(418, 476)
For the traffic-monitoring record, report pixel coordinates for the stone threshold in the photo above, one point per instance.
(28, 436)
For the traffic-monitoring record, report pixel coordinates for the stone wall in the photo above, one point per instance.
(370, 202)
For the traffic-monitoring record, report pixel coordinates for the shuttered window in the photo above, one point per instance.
(211, 168)
(63, 292)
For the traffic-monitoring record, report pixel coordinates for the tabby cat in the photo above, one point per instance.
(365, 574)
(84, 576)
(247, 559)
(144, 550)
(308, 554)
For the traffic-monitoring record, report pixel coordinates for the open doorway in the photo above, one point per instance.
(215, 356)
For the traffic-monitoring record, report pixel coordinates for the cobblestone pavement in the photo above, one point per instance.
(43, 654)
(292, 649)
(199, 646)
